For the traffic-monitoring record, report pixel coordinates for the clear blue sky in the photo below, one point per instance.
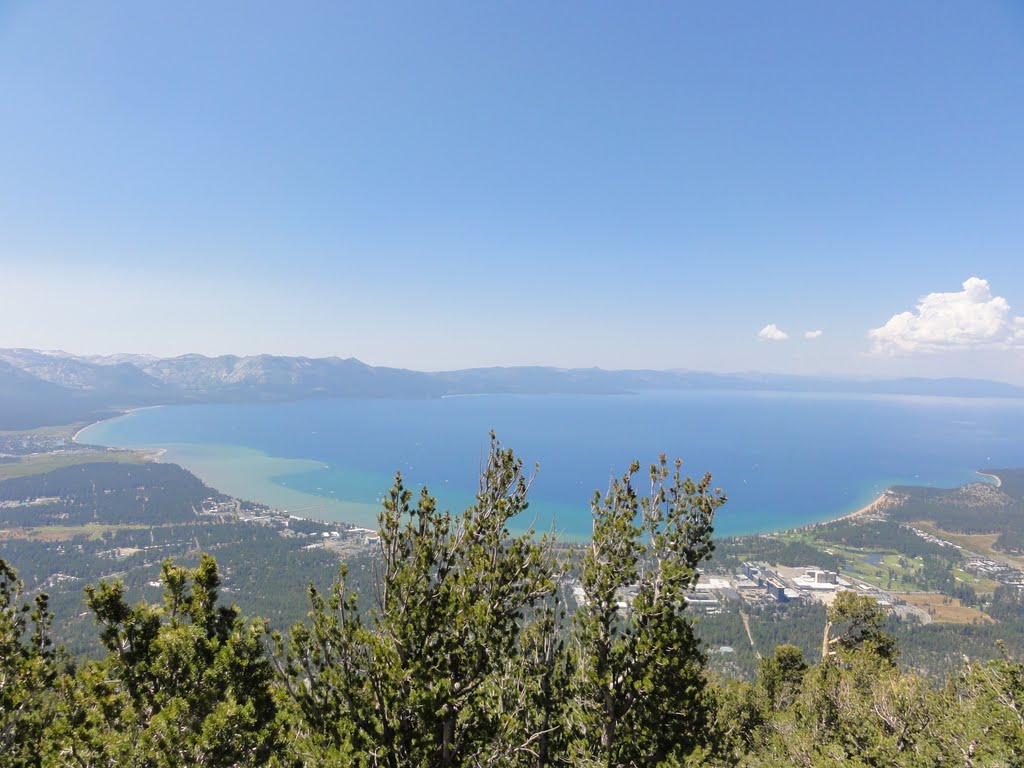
(438, 185)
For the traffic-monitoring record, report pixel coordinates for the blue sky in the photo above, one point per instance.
(439, 185)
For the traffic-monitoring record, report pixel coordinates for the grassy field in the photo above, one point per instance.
(37, 464)
(874, 565)
(980, 584)
(946, 610)
(975, 542)
(859, 565)
(67, 532)
(65, 430)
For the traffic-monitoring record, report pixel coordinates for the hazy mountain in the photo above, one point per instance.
(136, 360)
(27, 401)
(267, 377)
(110, 381)
(39, 387)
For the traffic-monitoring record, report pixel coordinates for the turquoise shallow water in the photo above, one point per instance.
(783, 459)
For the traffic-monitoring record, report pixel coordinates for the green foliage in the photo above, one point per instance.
(450, 647)
(855, 625)
(873, 534)
(639, 687)
(265, 573)
(861, 713)
(184, 683)
(28, 667)
(740, 714)
(864, 712)
(988, 702)
(447, 666)
(782, 675)
(463, 659)
(798, 624)
(107, 492)
(726, 628)
(976, 508)
(776, 550)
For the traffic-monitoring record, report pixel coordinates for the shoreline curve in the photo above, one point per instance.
(997, 478)
(878, 505)
(125, 412)
(157, 453)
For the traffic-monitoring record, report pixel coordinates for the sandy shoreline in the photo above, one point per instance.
(878, 505)
(875, 506)
(999, 480)
(74, 437)
(250, 474)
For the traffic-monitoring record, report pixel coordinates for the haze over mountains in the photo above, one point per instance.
(39, 388)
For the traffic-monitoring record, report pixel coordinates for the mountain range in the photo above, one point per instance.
(39, 388)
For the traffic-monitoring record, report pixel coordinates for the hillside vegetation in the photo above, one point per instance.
(462, 652)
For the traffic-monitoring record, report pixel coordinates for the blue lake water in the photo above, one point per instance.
(783, 459)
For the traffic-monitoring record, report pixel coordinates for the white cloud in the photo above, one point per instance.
(772, 332)
(813, 334)
(966, 319)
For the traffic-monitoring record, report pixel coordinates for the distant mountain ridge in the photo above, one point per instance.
(39, 388)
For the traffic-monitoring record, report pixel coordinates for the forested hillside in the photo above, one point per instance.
(462, 652)
(974, 508)
(68, 527)
(114, 493)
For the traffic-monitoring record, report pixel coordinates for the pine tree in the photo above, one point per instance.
(639, 688)
(855, 624)
(442, 670)
(28, 667)
(183, 683)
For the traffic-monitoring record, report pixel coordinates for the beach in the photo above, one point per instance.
(877, 506)
(251, 474)
(246, 473)
(125, 412)
(999, 480)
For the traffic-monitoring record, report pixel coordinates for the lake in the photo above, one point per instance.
(783, 459)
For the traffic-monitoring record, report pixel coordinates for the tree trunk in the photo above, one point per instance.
(447, 729)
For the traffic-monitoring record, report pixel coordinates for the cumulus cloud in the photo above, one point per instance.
(772, 332)
(813, 334)
(971, 318)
